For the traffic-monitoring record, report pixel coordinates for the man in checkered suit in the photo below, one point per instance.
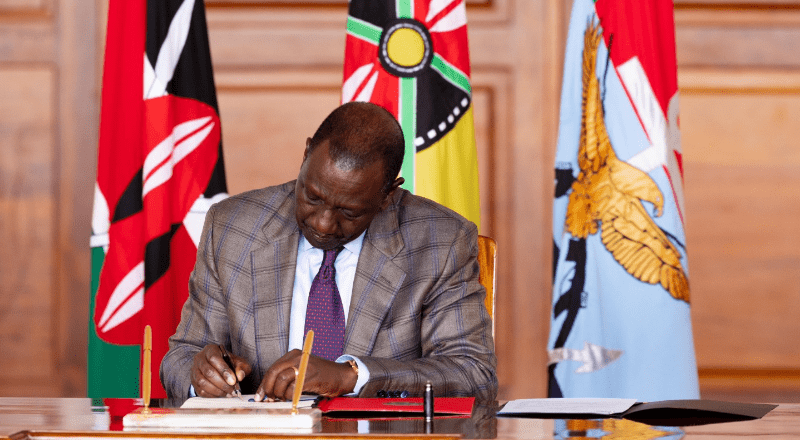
(408, 280)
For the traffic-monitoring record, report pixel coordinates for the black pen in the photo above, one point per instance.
(237, 390)
(428, 403)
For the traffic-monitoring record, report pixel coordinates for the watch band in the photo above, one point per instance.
(353, 365)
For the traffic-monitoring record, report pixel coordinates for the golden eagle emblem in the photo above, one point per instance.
(608, 193)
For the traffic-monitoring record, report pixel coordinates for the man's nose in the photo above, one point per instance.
(324, 221)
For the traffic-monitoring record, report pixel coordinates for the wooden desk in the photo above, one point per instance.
(69, 418)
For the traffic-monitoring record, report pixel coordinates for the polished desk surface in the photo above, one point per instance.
(69, 418)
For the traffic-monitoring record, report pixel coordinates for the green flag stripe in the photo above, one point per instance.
(364, 30)
(405, 8)
(408, 121)
(112, 370)
(451, 73)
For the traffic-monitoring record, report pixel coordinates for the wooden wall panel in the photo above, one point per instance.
(27, 225)
(265, 132)
(740, 89)
(49, 63)
(742, 171)
(78, 111)
(745, 35)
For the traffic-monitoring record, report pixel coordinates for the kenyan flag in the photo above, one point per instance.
(412, 58)
(159, 169)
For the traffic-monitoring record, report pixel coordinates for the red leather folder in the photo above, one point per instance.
(404, 407)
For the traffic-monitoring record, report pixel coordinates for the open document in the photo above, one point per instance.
(663, 413)
(247, 401)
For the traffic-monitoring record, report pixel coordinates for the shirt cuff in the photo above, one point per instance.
(191, 391)
(363, 372)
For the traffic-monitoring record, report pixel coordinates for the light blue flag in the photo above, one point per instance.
(621, 324)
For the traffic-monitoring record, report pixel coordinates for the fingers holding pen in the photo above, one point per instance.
(212, 377)
(236, 369)
(206, 373)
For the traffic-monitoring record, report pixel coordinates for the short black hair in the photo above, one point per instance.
(361, 133)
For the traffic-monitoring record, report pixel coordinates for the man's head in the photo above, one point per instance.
(349, 173)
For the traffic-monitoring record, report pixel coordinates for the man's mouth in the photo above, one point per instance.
(320, 239)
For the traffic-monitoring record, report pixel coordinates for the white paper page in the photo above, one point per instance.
(601, 406)
(233, 402)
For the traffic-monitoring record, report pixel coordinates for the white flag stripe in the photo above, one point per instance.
(151, 84)
(193, 222)
(174, 153)
(435, 7)
(366, 93)
(649, 111)
(101, 220)
(99, 240)
(132, 281)
(350, 86)
(185, 129)
(189, 144)
(132, 306)
(171, 49)
(158, 155)
(453, 20)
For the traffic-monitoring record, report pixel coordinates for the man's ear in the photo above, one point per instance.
(308, 147)
(388, 198)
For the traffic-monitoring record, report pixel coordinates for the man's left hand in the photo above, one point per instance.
(323, 377)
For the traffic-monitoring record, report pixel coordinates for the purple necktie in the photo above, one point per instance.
(325, 314)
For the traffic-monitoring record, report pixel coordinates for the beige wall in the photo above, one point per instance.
(278, 70)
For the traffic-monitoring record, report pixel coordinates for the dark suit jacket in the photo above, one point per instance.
(417, 312)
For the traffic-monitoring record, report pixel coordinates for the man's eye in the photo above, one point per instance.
(312, 198)
(349, 215)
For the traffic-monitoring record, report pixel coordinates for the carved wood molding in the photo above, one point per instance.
(737, 5)
(755, 81)
(285, 12)
(25, 10)
(749, 378)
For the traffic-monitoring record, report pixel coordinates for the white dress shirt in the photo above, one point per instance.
(309, 260)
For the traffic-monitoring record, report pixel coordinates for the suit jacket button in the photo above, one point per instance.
(404, 394)
(382, 393)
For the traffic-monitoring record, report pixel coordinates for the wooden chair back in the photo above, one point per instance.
(487, 257)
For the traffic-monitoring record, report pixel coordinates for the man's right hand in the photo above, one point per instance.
(211, 376)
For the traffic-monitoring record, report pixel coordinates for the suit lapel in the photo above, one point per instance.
(273, 269)
(376, 283)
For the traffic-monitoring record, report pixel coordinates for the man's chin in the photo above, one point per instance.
(321, 244)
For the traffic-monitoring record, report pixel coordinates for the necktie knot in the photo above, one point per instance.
(330, 256)
(327, 269)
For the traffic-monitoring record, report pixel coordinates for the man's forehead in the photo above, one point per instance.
(347, 188)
